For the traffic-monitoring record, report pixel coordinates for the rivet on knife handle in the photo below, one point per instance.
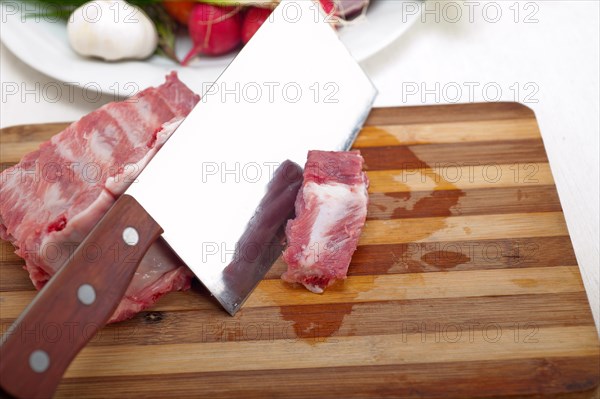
(76, 302)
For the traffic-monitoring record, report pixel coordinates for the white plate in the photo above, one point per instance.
(42, 44)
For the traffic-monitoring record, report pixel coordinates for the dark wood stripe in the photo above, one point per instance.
(6, 165)
(428, 380)
(14, 278)
(455, 154)
(448, 113)
(8, 255)
(519, 316)
(455, 255)
(463, 202)
(462, 255)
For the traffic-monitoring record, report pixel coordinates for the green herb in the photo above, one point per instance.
(166, 28)
(64, 8)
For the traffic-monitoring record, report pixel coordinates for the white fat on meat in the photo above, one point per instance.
(334, 201)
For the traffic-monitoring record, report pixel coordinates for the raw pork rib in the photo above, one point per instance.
(331, 210)
(52, 199)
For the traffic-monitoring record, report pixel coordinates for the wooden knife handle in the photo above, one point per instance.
(76, 302)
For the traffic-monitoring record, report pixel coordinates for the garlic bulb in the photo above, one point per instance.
(112, 30)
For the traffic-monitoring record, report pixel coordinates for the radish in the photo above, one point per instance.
(214, 30)
(329, 6)
(255, 17)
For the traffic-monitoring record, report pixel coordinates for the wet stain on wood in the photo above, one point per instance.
(316, 327)
(445, 259)
(443, 197)
(317, 323)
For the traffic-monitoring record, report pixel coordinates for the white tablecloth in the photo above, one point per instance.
(542, 53)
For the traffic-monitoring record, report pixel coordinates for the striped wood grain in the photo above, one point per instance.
(465, 284)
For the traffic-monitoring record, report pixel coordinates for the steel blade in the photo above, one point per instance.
(293, 88)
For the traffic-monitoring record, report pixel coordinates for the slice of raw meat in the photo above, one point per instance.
(331, 210)
(52, 199)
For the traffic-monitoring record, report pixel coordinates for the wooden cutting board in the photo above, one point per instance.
(465, 284)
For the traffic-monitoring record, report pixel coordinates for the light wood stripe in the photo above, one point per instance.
(477, 227)
(451, 177)
(31, 133)
(488, 344)
(425, 286)
(13, 152)
(450, 132)
(391, 287)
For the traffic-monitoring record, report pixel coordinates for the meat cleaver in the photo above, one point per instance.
(219, 191)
